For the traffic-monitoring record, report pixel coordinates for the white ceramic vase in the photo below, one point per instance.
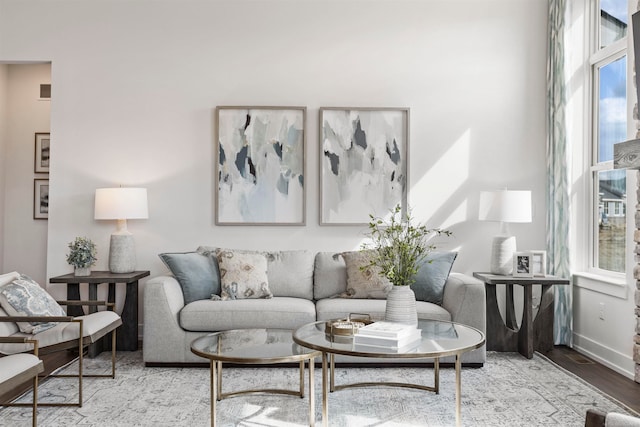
(82, 271)
(401, 306)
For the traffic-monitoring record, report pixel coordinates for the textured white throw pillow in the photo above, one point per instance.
(24, 297)
(243, 275)
(364, 280)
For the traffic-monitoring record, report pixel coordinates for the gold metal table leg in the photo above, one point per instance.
(325, 397)
(458, 390)
(213, 386)
(436, 375)
(302, 378)
(312, 404)
(219, 380)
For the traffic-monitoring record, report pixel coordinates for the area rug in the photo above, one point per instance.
(509, 390)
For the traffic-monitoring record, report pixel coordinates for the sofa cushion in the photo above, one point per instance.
(243, 275)
(364, 280)
(197, 274)
(277, 312)
(339, 308)
(24, 297)
(432, 276)
(290, 273)
(329, 275)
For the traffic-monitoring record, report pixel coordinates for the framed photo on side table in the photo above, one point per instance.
(539, 264)
(40, 198)
(522, 264)
(42, 153)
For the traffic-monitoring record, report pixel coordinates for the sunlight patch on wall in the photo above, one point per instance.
(434, 190)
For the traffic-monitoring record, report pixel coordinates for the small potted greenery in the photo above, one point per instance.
(82, 255)
(400, 247)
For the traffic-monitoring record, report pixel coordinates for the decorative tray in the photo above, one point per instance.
(347, 327)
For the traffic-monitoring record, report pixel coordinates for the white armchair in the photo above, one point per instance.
(60, 333)
(20, 368)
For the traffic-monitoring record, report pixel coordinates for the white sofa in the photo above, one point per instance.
(304, 286)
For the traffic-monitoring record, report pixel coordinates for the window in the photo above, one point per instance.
(609, 109)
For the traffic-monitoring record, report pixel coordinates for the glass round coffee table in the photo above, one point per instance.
(438, 339)
(254, 347)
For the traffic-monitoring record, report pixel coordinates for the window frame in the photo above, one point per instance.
(600, 57)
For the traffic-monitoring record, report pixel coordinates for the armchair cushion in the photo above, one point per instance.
(94, 326)
(16, 369)
(24, 297)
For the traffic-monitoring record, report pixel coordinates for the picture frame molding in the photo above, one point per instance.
(216, 207)
(38, 184)
(405, 195)
(38, 153)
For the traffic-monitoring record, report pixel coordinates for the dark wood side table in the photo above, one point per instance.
(127, 334)
(533, 334)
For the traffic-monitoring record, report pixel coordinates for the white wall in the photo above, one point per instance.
(25, 239)
(136, 84)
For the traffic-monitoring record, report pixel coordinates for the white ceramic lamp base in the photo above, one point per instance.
(502, 251)
(122, 254)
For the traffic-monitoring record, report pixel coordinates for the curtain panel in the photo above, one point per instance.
(557, 194)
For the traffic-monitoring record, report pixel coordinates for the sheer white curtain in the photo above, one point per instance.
(558, 174)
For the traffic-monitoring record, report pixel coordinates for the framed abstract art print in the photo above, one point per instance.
(363, 163)
(260, 176)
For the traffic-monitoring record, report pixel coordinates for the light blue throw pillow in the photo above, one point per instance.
(432, 276)
(197, 274)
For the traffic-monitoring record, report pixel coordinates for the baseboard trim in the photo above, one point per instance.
(612, 359)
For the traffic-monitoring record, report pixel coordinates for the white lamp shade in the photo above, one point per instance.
(121, 203)
(505, 206)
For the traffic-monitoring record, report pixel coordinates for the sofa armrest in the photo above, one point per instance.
(163, 294)
(163, 301)
(464, 297)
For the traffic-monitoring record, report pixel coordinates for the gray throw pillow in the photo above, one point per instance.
(197, 274)
(24, 297)
(432, 276)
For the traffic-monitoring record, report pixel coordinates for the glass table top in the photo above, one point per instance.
(251, 346)
(438, 338)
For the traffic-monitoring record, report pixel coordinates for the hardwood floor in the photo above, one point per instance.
(610, 382)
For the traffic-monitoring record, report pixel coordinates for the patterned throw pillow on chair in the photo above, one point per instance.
(24, 297)
(243, 275)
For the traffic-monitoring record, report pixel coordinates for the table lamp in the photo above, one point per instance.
(121, 204)
(504, 206)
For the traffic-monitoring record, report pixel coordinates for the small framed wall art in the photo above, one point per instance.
(539, 263)
(364, 166)
(522, 264)
(260, 176)
(40, 198)
(42, 152)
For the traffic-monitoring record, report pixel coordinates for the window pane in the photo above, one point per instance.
(612, 107)
(613, 21)
(612, 199)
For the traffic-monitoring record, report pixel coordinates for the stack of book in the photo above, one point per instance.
(387, 337)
